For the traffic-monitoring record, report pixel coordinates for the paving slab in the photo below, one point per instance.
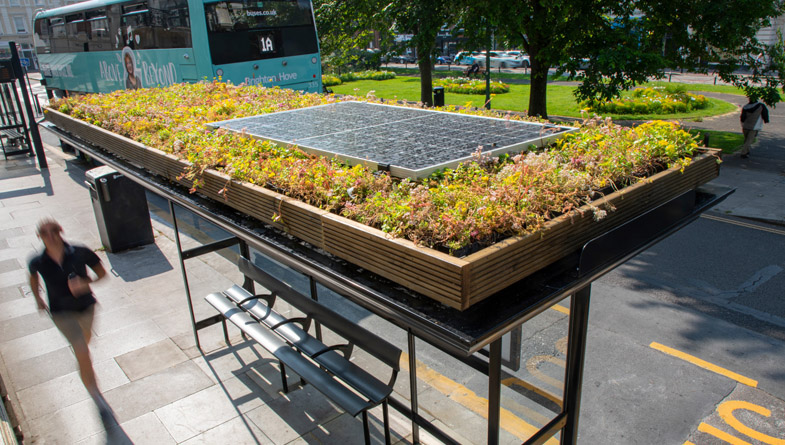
(22, 325)
(197, 413)
(155, 391)
(150, 359)
(293, 415)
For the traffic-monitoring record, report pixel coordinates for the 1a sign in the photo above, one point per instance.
(25, 62)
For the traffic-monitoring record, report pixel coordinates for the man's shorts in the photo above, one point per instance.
(75, 326)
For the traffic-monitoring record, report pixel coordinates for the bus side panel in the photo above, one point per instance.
(106, 71)
(201, 47)
(296, 72)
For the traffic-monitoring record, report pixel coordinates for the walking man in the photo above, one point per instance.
(753, 115)
(63, 268)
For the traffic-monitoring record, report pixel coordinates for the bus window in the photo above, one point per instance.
(98, 23)
(158, 24)
(41, 27)
(77, 31)
(59, 40)
(171, 22)
(136, 17)
(278, 28)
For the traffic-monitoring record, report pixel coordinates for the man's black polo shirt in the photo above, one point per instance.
(76, 260)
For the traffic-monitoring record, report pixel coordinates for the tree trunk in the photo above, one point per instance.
(426, 76)
(538, 90)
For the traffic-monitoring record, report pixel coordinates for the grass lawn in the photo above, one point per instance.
(561, 101)
(728, 141)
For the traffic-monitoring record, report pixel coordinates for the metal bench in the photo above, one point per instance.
(12, 135)
(13, 138)
(327, 368)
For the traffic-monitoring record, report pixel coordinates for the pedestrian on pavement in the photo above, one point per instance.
(474, 69)
(63, 268)
(753, 115)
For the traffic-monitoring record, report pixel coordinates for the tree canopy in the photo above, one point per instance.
(608, 45)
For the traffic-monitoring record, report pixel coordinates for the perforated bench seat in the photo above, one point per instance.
(332, 360)
(328, 368)
(12, 134)
(322, 381)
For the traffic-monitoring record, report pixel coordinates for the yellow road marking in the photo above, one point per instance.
(469, 399)
(533, 366)
(726, 413)
(743, 224)
(562, 309)
(687, 442)
(704, 364)
(722, 435)
(537, 390)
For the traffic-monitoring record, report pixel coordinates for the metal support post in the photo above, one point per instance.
(248, 283)
(494, 391)
(185, 275)
(413, 386)
(315, 296)
(576, 352)
(36, 136)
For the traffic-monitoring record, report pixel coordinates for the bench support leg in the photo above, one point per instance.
(365, 428)
(284, 383)
(226, 333)
(386, 422)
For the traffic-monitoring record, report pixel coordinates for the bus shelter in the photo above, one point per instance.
(473, 336)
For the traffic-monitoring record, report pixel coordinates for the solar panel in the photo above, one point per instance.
(409, 142)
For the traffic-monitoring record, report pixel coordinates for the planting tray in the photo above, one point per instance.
(456, 282)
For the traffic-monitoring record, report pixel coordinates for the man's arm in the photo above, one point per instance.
(765, 114)
(35, 286)
(100, 272)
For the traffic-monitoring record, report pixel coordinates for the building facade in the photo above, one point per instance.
(768, 35)
(16, 25)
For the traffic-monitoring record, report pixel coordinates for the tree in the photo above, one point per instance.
(543, 30)
(696, 35)
(345, 28)
(423, 19)
(612, 45)
(345, 25)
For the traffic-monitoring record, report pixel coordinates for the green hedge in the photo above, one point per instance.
(464, 85)
(655, 100)
(366, 75)
(329, 80)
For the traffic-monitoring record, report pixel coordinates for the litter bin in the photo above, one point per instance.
(438, 96)
(121, 211)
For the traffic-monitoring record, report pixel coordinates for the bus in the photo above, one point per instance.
(98, 46)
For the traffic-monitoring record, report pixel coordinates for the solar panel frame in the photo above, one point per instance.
(369, 133)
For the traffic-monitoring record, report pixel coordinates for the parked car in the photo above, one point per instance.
(499, 60)
(523, 57)
(443, 60)
(399, 58)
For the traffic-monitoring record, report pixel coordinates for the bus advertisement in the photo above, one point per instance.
(98, 46)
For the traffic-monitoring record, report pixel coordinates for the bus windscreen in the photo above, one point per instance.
(272, 29)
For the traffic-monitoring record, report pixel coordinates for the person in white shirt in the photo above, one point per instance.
(753, 115)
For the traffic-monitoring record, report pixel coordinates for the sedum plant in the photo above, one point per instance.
(471, 206)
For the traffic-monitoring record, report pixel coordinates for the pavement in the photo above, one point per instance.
(759, 180)
(162, 389)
